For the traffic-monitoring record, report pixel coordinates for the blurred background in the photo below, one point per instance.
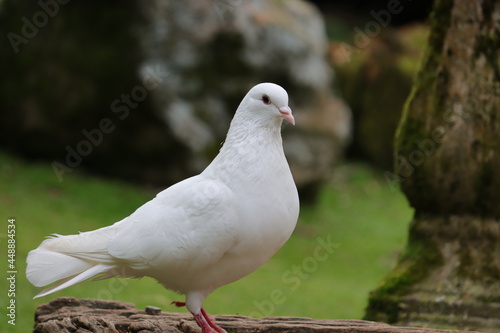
(103, 104)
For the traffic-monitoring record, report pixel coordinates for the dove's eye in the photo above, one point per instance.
(266, 99)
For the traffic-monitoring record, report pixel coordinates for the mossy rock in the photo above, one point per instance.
(146, 92)
(446, 148)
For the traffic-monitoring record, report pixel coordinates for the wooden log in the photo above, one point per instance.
(69, 314)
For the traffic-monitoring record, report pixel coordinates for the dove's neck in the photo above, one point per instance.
(250, 150)
(249, 137)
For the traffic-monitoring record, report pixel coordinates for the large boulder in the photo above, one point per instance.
(146, 91)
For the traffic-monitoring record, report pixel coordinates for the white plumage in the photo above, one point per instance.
(201, 233)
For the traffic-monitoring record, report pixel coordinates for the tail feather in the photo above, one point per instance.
(70, 260)
(46, 267)
(72, 280)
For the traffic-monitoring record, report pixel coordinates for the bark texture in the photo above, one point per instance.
(84, 315)
(448, 165)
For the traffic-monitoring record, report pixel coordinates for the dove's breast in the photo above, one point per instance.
(261, 195)
(267, 218)
(264, 226)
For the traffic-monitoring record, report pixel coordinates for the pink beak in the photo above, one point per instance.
(286, 113)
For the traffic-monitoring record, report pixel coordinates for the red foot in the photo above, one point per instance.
(178, 304)
(216, 327)
(203, 320)
(206, 323)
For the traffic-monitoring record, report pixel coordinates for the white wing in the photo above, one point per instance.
(191, 223)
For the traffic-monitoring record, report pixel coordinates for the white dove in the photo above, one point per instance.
(201, 233)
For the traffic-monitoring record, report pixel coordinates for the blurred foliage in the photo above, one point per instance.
(375, 81)
(357, 12)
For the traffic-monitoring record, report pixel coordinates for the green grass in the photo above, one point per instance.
(356, 211)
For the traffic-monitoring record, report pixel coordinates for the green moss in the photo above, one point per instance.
(427, 80)
(421, 255)
(489, 299)
(411, 126)
(488, 45)
(440, 21)
(424, 105)
(410, 131)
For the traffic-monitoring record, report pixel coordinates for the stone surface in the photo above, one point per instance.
(448, 166)
(83, 315)
(165, 76)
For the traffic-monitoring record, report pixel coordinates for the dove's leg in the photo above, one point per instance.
(203, 320)
(211, 322)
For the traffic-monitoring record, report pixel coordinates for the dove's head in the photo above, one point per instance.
(268, 101)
